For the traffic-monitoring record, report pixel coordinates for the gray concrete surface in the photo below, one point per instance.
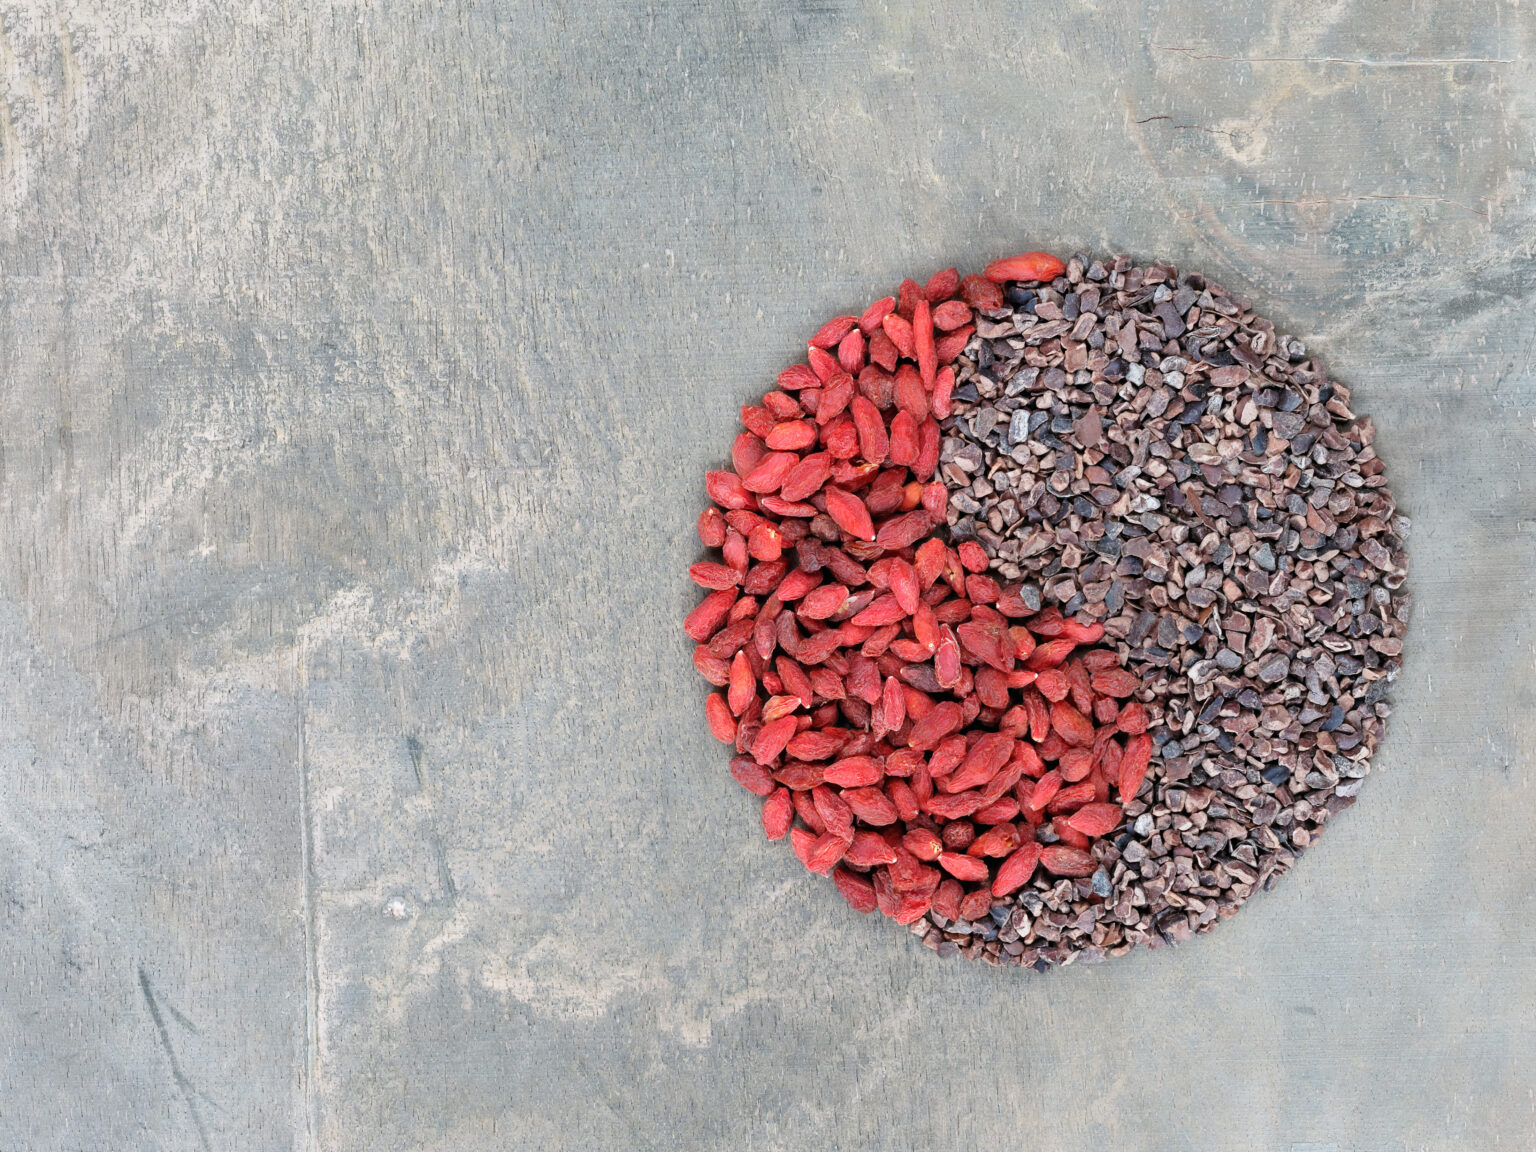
(358, 366)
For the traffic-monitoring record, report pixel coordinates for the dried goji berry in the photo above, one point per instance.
(752, 776)
(922, 343)
(856, 889)
(1065, 861)
(802, 841)
(1015, 871)
(979, 292)
(903, 798)
(943, 392)
(849, 513)
(871, 805)
(1070, 724)
(964, 867)
(942, 285)
(1115, 682)
(778, 814)
(850, 352)
(722, 725)
(976, 904)
(946, 898)
(868, 849)
(1132, 719)
(1133, 766)
(772, 739)
(951, 315)
(1044, 790)
(1095, 819)
(854, 772)
(1031, 266)
(953, 344)
(827, 851)
(875, 313)
(834, 811)
(999, 840)
(899, 332)
(924, 843)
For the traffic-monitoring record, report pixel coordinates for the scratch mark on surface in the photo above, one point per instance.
(185, 1023)
(127, 633)
(1357, 61)
(311, 946)
(1189, 127)
(417, 750)
(444, 875)
(418, 753)
(1312, 201)
(188, 1093)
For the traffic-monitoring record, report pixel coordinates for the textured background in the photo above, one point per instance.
(358, 366)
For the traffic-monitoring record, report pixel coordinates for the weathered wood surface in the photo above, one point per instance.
(360, 362)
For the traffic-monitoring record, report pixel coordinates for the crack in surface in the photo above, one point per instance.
(1190, 127)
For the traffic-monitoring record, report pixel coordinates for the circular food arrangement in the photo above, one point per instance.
(1053, 608)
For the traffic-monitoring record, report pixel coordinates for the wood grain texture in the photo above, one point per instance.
(359, 363)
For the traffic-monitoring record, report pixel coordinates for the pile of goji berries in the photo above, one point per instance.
(916, 730)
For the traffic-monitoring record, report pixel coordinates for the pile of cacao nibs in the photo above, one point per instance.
(1053, 607)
